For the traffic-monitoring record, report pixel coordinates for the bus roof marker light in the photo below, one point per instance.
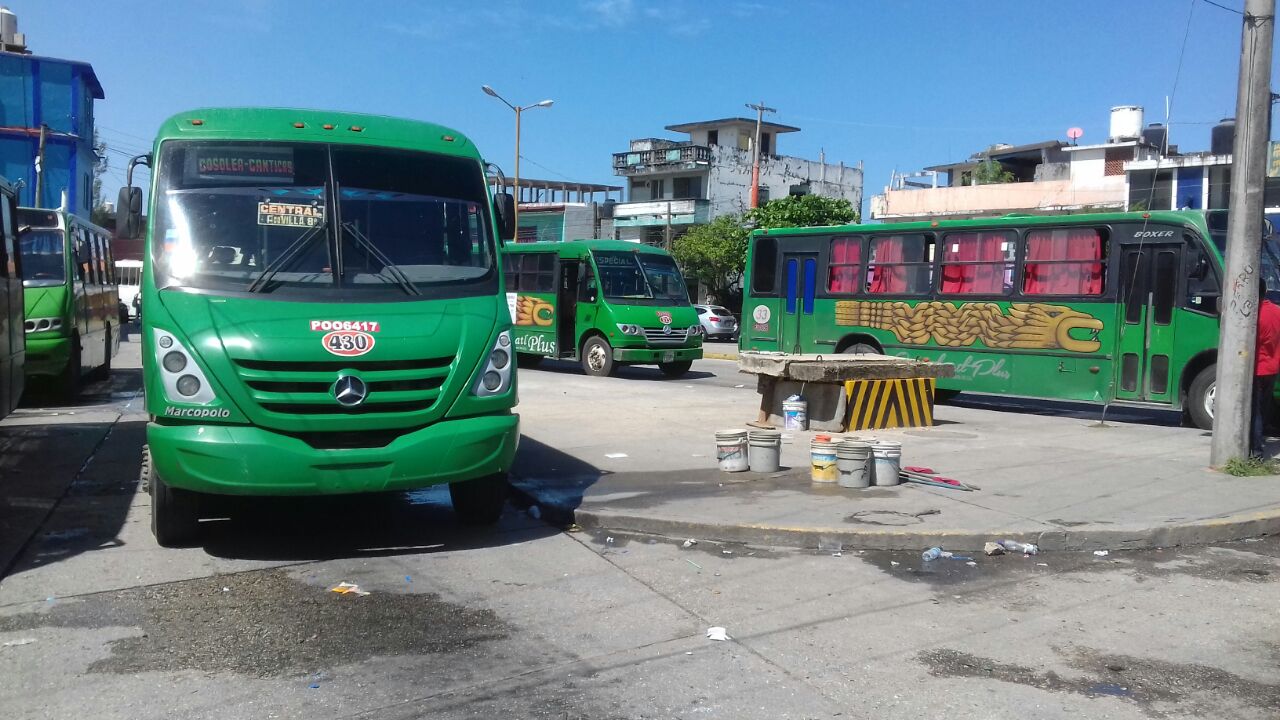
(1146, 215)
(327, 126)
(197, 121)
(447, 138)
(299, 125)
(356, 128)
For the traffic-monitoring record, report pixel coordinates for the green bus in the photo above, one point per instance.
(324, 312)
(72, 304)
(12, 311)
(604, 303)
(1106, 308)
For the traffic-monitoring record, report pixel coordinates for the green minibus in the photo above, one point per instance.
(324, 312)
(604, 303)
(72, 304)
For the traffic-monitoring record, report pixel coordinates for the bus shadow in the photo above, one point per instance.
(626, 372)
(1067, 409)
(42, 393)
(551, 480)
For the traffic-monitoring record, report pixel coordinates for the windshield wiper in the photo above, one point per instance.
(290, 254)
(396, 273)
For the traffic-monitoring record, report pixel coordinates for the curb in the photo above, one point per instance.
(1203, 532)
(718, 356)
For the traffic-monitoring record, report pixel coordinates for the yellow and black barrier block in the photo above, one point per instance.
(878, 404)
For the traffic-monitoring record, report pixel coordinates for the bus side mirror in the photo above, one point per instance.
(1201, 270)
(129, 213)
(504, 205)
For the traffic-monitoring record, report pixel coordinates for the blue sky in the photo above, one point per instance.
(896, 85)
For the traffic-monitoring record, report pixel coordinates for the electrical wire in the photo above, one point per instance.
(1224, 7)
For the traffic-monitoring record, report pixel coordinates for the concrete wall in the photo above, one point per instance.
(988, 200)
(729, 188)
(1088, 165)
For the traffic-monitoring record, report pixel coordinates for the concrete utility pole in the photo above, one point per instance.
(40, 165)
(1239, 324)
(760, 109)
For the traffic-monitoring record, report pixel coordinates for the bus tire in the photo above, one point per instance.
(675, 369)
(1200, 396)
(479, 501)
(69, 380)
(175, 513)
(597, 357)
(528, 360)
(860, 349)
(103, 371)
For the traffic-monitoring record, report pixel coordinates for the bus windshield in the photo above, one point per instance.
(310, 218)
(42, 258)
(641, 278)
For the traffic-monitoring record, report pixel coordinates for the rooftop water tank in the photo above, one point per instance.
(1126, 122)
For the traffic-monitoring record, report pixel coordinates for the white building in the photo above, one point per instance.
(675, 184)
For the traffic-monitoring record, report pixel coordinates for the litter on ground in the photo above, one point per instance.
(346, 588)
(689, 543)
(993, 548)
(717, 633)
(1102, 553)
(22, 641)
(615, 456)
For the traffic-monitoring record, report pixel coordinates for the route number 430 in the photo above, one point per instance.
(348, 343)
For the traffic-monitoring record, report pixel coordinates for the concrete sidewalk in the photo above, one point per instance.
(1058, 479)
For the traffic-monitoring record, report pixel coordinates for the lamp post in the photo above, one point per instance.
(515, 220)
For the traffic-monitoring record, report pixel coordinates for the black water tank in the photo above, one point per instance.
(1154, 135)
(1223, 137)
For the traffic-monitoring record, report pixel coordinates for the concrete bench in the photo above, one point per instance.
(845, 392)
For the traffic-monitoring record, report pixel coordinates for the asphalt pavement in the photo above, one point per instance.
(528, 620)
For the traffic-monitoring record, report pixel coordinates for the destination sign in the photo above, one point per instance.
(241, 164)
(282, 214)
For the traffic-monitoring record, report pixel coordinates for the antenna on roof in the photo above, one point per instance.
(1074, 134)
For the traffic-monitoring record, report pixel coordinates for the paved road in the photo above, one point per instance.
(523, 620)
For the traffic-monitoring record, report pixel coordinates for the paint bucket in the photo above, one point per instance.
(795, 413)
(822, 461)
(765, 450)
(853, 463)
(888, 457)
(731, 450)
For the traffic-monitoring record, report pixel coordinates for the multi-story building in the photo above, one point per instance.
(673, 185)
(561, 209)
(46, 121)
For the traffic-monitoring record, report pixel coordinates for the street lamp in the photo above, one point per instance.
(515, 219)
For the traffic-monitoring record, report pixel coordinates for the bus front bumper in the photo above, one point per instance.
(656, 355)
(248, 460)
(47, 356)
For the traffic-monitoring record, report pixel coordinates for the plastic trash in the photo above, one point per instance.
(932, 553)
(993, 548)
(615, 456)
(16, 643)
(1015, 546)
(346, 588)
(830, 545)
(689, 543)
(894, 563)
(1102, 553)
(609, 540)
(972, 564)
(957, 557)
(717, 633)
(947, 554)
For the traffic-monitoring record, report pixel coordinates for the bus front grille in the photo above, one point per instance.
(306, 387)
(656, 336)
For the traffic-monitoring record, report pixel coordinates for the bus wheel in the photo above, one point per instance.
(597, 357)
(1200, 397)
(526, 360)
(675, 369)
(479, 501)
(860, 349)
(69, 381)
(103, 371)
(175, 514)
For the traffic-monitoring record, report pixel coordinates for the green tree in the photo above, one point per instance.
(98, 214)
(714, 253)
(803, 211)
(990, 172)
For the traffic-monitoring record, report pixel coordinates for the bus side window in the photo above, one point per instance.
(81, 255)
(845, 265)
(901, 264)
(1064, 261)
(764, 266)
(108, 264)
(1203, 288)
(587, 284)
(511, 269)
(95, 255)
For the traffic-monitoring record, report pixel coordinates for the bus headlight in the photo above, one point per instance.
(41, 324)
(694, 331)
(182, 378)
(496, 378)
(627, 329)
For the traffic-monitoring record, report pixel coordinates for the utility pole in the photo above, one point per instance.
(40, 164)
(760, 109)
(1239, 313)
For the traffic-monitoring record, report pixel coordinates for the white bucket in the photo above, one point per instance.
(854, 463)
(765, 450)
(888, 458)
(795, 414)
(731, 450)
(822, 461)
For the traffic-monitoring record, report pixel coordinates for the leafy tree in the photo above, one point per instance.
(714, 253)
(98, 214)
(803, 211)
(990, 172)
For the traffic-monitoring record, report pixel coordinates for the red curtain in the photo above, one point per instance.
(1078, 270)
(986, 276)
(846, 255)
(891, 279)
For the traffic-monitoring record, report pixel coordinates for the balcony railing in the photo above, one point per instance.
(636, 161)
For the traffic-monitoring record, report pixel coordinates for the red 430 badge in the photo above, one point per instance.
(346, 338)
(664, 317)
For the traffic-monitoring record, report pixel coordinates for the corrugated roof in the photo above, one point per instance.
(91, 78)
(709, 124)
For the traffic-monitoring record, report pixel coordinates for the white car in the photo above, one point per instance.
(717, 322)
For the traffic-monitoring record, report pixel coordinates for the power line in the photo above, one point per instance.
(1224, 7)
(121, 132)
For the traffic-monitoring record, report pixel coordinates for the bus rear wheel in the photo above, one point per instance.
(1200, 396)
(479, 501)
(675, 369)
(860, 349)
(597, 357)
(175, 513)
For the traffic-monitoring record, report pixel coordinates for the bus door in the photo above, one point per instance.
(800, 283)
(567, 309)
(80, 281)
(1150, 274)
(588, 297)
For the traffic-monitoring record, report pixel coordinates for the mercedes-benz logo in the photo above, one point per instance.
(349, 390)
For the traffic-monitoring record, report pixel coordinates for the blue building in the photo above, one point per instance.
(59, 95)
